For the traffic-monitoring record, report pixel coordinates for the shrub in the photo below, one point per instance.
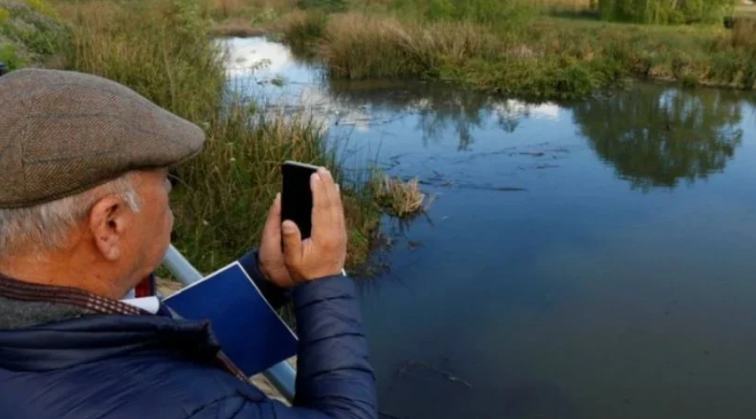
(9, 56)
(665, 11)
(30, 33)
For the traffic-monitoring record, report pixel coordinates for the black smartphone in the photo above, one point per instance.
(296, 195)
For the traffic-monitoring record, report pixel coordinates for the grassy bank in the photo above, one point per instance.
(525, 49)
(164, 51)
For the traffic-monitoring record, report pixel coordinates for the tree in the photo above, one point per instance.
(656, 137)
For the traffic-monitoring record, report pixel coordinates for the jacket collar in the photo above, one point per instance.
(91, 338)
(51, 327)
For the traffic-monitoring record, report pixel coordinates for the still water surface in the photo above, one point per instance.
(593, 259)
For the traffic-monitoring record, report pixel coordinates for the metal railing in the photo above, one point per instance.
(282, 375)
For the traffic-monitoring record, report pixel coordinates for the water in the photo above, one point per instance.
(593, 259)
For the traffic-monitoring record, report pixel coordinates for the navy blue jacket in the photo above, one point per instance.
(119, 367)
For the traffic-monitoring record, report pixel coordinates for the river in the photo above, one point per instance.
(592, 259)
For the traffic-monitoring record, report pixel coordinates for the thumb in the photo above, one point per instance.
(292, 241)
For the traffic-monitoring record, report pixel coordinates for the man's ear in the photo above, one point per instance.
(107, 222)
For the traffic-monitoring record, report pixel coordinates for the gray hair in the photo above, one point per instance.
(47, 226)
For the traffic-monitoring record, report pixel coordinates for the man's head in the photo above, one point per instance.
(83, 164)
(121, 228)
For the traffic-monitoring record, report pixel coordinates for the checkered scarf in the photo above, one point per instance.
(94, 304)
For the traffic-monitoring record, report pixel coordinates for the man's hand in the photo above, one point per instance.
(324, 253)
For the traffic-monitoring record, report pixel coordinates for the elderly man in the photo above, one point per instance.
(85, 216)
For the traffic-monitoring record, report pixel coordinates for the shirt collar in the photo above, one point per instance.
(148, 304)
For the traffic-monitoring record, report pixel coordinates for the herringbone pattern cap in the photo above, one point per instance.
(63, 132)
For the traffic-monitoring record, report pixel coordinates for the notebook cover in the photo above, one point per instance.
(250, 332)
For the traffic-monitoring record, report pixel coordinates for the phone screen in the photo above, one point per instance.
(296, 196)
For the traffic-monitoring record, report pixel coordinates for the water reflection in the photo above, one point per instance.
(654, 137)
(440, 109)
(658, 137)
(576, 297)
(254, 62)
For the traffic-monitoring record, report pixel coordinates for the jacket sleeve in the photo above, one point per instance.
(333, 372)
(276, 296)
(334, 377)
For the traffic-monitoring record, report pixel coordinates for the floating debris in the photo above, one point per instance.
(400, 198)
(413, 365)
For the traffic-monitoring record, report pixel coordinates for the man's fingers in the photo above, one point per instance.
(276, 208)
(334, 198)
(272, 229)
(318, 181)
(292, 242)
(335, 213)
(321, 216)
(337, 207)
(274, 214)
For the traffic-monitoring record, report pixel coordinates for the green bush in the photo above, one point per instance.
(665, 11)
(30, 33)
(9, 56)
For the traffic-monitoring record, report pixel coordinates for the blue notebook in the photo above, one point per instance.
(250, 332)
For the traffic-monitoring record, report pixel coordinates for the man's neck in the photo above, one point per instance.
(63, 269)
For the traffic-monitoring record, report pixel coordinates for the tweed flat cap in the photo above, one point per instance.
(62, 133)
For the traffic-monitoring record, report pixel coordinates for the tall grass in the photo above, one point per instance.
(477, 11)
(225, 9)
(549, 58)
(360, 46)
(224, 195)
(570, 5)
(357, 46)
(300, 29)
(164, 51)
